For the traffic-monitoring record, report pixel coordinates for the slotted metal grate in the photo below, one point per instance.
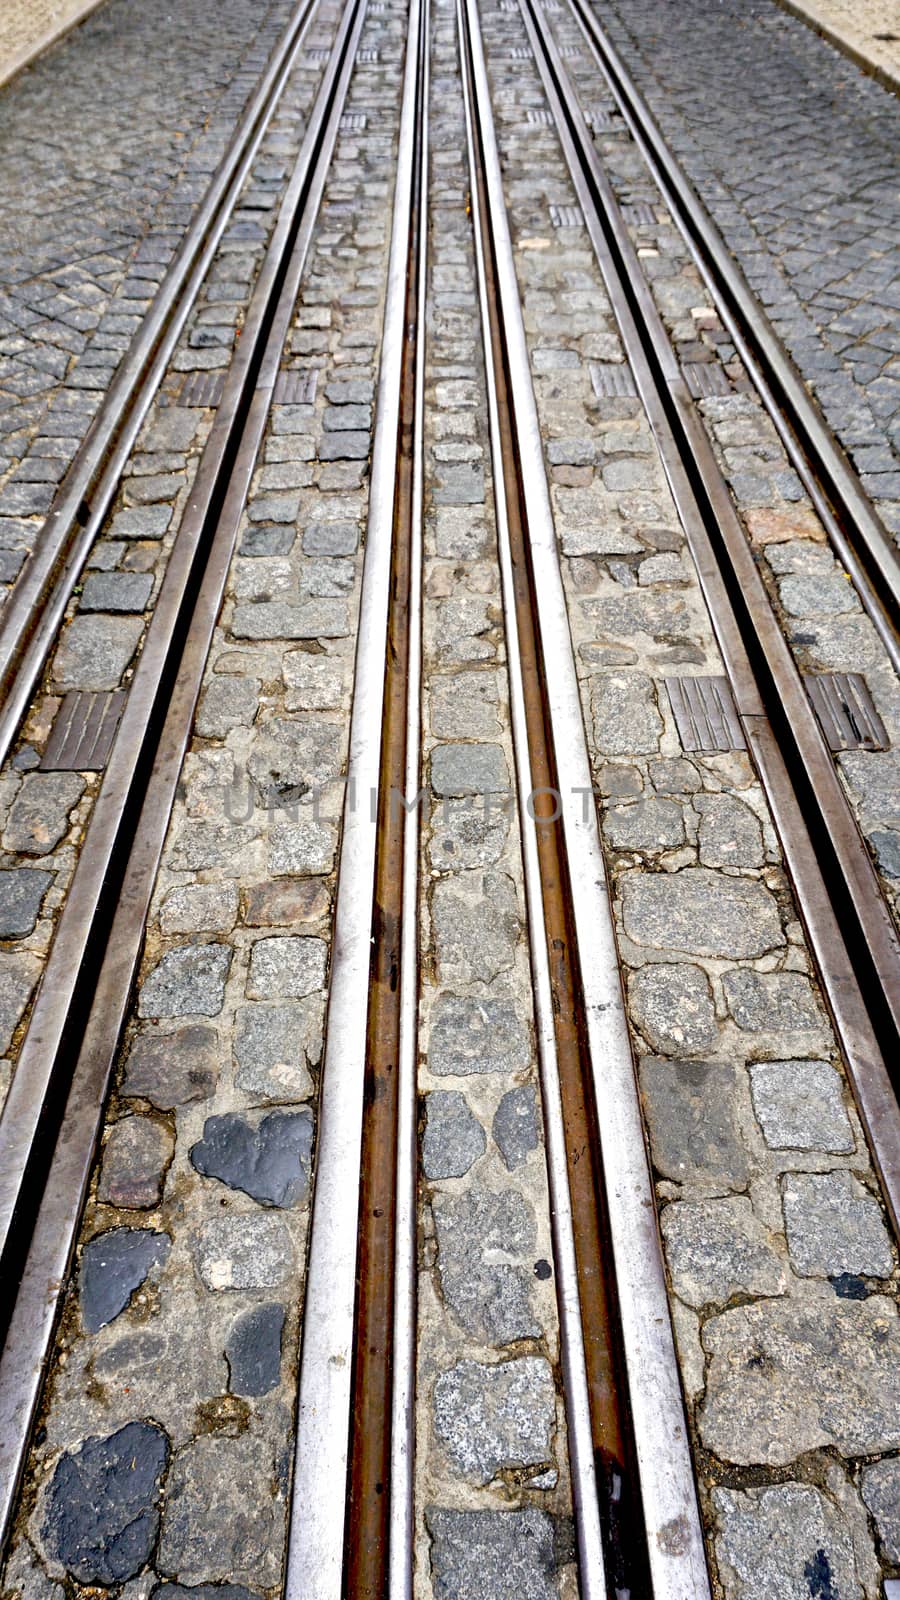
(705, 714)
(296, 387)
(202, 389)
(599, 117)
(639, 214)
(83, 731)
(566, 216)
(846, 710)
(705, 378)
(611, 378)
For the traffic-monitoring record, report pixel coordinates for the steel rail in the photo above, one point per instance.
(36, 607)
(157, 721)
(321, 1543)
(401, 1533)
(373, 1499)
(850, 519)
(861, 975)
(573, 1340)
(667, 1491)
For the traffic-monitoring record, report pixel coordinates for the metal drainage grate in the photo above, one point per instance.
(705, 714)
(569, 52)
(367, 58)
(844, 707)
(639, 214)
(202, 389)
(296, 387)
(353, 122)
(520, 52)
(598, 117)
(611, 378)
(317, 58)
(566, 216)
(540, 119)
(509, 5)
(83, 731)
(705, 378)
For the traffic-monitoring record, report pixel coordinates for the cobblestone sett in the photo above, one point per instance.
(786, 1377)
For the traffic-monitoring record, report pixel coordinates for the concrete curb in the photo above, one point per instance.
(64, 17)
(810, 15)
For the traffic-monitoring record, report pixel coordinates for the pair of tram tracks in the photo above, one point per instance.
(848, 924)
(52, 1118)
(351, 1531)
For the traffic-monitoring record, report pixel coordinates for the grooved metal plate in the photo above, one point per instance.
(296, 387)
(846, 710)
(705, 714)
(611, 378)
(83, 731)
(317, 58)
(639, 214)
(705, 378)
(202, 389)
(568, 52)
(367, 58)
(540, 119)
(509, 5)
(353, 122)
(566, 216)
(598, 117)
(520, 52)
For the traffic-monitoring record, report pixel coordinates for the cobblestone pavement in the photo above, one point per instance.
(818, 608)
(865, 29)
(27, 27)
(161, 1467)
(103, 166)
(793, 150)
(45, 814)
(723, 1004)
(199, 1209)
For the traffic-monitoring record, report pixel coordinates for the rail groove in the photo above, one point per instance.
(352, 1381)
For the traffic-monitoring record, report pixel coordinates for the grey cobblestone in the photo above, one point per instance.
(709, 940)
(98, 190)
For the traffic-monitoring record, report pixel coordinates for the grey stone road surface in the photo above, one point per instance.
(103, 165)
(793, 150)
